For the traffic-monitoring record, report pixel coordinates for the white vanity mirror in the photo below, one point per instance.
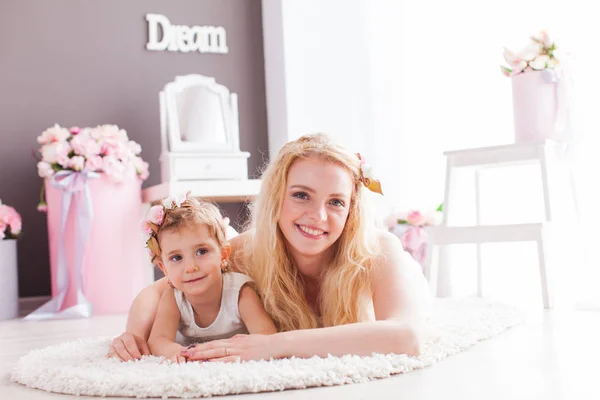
(200, 131)
(194, 127)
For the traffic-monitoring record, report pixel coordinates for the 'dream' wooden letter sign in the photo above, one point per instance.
(204, 39)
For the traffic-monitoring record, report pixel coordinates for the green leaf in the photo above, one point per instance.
(401, 222)
(440, 207)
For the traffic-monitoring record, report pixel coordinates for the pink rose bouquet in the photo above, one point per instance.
(104, 149)
(409, 228)
(10, 222)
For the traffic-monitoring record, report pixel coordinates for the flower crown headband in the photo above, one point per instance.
(367, 177)
(155, 217)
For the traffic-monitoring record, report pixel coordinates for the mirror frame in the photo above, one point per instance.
(172, 142)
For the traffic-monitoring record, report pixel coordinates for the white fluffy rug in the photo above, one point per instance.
(81, 367)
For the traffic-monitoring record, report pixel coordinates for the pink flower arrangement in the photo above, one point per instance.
(10, 222)
(104, 149)
(409, 228)
(414, 218)
(541, 53)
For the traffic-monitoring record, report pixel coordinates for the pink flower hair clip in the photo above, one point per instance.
(155, 218)
(367, 177)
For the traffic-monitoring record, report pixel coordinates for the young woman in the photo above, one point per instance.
(331, 282)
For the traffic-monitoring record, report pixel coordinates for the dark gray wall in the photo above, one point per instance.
(84, 63)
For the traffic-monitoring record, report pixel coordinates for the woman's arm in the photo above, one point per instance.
(400, 300)
(253, 313)
(162, 338)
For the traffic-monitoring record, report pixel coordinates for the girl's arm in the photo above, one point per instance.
(132, 343)
(162, 337)
(400, 300)
(253, 314)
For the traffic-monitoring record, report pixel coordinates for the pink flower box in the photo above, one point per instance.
(534, 107)
(114, 263)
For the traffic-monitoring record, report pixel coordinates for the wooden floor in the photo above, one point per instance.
(554, 355)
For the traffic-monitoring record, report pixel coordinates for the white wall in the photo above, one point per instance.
(403, 81)
(323, 53)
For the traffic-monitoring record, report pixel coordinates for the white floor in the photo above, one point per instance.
(554, 355)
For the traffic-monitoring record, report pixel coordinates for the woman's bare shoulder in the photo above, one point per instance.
(237, 246)
(239, 241)
(389, 242)
(391, 255)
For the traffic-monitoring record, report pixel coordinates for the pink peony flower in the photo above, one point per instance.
(54, 135)
(74, 130)
(76, 163)
(141, 168)
(146, 228)
(415, 241)
(45, 170)
(415, 218)
(110, 132)
(110, 148)
(134, 147)
(114, 169)
(156, 214)
(9, 217)
(94, 164)
(123, 152)
(57, 152)
(85, 145)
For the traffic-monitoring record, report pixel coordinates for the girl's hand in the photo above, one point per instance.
(177, 355)
(237, 348)
(128, 347)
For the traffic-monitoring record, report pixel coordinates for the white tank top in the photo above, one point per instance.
(228, 322)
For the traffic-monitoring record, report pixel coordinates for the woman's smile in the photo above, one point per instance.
(311, 232)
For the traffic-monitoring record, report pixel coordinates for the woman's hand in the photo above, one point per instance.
(237, 348)
(128, 347)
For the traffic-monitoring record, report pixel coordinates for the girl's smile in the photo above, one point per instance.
(194, 280)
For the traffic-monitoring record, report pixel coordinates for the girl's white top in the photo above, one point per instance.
(227, 324)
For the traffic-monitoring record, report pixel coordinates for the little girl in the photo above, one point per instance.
(186, 238)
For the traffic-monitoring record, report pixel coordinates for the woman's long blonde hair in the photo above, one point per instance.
(345, 284)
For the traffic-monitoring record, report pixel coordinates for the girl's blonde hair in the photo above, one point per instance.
(345, 281)
(192, 211)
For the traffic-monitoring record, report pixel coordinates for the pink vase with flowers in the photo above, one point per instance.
(92, 186)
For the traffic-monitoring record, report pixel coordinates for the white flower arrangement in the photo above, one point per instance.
(540, 54)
